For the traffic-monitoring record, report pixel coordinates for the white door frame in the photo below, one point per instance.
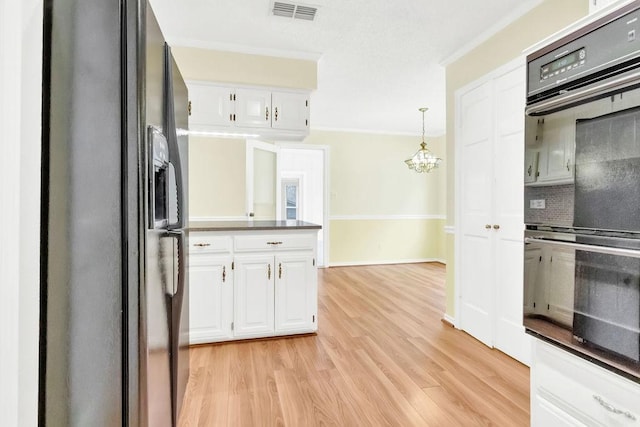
(10, 107)
(458, 173)
(251, 145)
(20, 170)
(325, 214)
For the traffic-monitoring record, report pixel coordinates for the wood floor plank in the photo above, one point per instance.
(381, 357)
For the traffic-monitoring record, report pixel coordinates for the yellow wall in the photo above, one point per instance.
(384, 241)
(549, 17)
(217, 177)
(241, 68)
(380, 211)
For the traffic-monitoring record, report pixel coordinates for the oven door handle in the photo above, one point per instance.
(569, 98)
(582, 247)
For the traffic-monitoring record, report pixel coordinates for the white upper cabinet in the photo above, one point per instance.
(556, 155)
(549, 157)
(596, 5)
(210, 106)
(265, 113)
(253, 108)
(290, 110)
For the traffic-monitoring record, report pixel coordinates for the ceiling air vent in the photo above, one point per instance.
(295, 11)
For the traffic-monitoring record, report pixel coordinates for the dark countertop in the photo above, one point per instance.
(251, 225)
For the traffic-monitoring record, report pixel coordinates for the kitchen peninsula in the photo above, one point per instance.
(252, 279)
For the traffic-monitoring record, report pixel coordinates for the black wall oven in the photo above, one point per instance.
(582, 192)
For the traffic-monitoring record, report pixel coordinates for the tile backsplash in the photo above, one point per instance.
(558, 210)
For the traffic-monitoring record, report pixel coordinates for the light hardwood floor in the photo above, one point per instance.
(382, 357)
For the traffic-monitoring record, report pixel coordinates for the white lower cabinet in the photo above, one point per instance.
(210, 314)
(265, 285)
(296, 293)
(253, 300)
(566, 390)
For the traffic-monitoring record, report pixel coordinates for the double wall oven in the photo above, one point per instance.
(582, 192)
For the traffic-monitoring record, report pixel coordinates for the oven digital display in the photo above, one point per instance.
(564, 63)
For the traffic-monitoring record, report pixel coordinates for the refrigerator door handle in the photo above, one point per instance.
(172, 137)
(179, 273)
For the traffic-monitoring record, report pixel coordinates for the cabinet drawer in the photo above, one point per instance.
(585, 391)
(275, 242)
(208, 243)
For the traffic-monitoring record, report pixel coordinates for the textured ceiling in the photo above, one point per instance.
(379, 61)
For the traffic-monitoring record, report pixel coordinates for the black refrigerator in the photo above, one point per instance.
(114, 285)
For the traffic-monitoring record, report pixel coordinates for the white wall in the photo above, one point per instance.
(20, 109)
(308, 164)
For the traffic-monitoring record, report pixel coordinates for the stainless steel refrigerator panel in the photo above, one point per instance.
(158, 292)
(82, 285)
(181, 303)
(154, 71)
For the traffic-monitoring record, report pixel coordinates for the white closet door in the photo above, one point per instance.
(509, 90)
(476, 244)
(489, 246)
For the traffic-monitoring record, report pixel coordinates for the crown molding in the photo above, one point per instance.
(239, 48)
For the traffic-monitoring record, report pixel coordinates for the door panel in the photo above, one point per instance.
(253, 108)
(254, 295)
(491, 220)
(476, 279)
(264, 184)
(294, 292)
(290, 110)
(262, 191)
(211, 302)
(509, 214)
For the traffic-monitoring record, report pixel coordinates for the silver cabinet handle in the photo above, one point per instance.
(202, 245)
(609, 407)
(496, 226)
(274, 243)
(487, 226)
(568, 168)
(582, 247)
(529, 170)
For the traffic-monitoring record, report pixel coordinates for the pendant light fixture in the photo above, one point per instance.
(423, 160)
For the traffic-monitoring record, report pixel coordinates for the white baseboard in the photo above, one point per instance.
(385, 262)
(449, 319)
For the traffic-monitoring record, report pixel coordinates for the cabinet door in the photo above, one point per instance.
(533, 272)
(210, 298)
(596, 5)
(560, 298)
(253, 108)
(530, 165)
(210, 106)
(556, 155)
(253, 296)
(296, 283)
(290, 110)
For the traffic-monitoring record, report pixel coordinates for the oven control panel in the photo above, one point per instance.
(564, 62)
(605, 47)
